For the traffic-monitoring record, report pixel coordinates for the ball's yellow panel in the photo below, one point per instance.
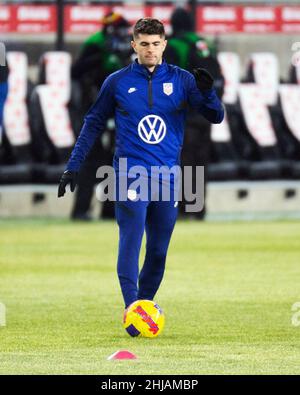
(144, 318)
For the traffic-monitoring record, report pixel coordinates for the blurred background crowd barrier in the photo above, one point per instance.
(254, 163)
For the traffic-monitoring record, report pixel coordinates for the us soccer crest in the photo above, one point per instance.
(168, 88)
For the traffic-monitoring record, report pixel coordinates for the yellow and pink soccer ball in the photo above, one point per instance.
(144, 318)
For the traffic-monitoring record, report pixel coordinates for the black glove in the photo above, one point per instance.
(204, 80)
(68, 177)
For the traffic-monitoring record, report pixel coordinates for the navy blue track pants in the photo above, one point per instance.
(158, 220)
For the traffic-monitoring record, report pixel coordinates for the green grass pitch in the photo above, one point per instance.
(227, 294)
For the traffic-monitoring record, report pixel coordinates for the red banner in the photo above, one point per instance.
(83, 19)
(33, 19)
(6, 19)
(261, 19)
(290, 19)
(218, 19)
(86, 19)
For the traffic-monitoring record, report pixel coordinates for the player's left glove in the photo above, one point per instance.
(203, 79)
(68, 177)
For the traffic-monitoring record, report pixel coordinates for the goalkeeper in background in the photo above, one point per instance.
(188, 50)
(104, 52)
(148, 99)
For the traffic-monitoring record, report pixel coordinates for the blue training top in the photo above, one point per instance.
(149, 110)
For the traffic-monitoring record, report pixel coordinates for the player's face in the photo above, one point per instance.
(149, 49)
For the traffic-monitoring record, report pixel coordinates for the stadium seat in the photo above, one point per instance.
(55, 69)
(231, 69)
(295, 74)
(230, 65)
(225, 163)
(290, 125)
(16, 159)
(263, 69)
(54, 136)
(263, 149)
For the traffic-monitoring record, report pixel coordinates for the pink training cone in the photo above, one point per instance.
(122, 354)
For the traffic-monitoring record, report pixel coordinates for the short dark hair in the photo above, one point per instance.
(148, 26)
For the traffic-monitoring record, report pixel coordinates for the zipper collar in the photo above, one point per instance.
(158, 70)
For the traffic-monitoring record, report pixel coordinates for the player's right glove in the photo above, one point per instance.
(203, 79)
(68, 177)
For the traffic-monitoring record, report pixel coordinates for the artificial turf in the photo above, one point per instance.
(227, 295)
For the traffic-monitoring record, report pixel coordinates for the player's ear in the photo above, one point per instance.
(133, 44)
(165, 44)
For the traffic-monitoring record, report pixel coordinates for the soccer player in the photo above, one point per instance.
(148, 99)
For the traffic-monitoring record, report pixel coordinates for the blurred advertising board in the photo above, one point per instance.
(85, 19)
